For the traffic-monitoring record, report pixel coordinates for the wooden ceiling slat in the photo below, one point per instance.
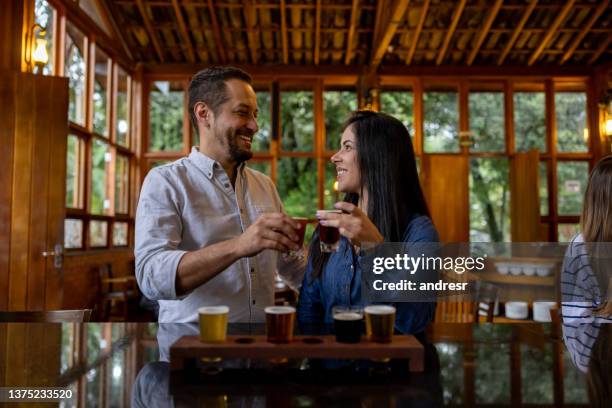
(553, 29)
(317, 32)
(283, 13)
(183, 31)
(249, 18)
(517, 31)
(150, 30)
(417, 33)
(485, 30)
(397, 14)
(217, 33)
(451, 31)
(351, 33)
(600, 9)
(604, 46)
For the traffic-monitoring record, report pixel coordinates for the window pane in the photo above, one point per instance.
(331, 195)
(74, 172)
(261, 141)
(399, 105)
(120, 234)
(529, 121)
(95, 343)
(574, 381)
(489, 200)
(572, 131)
(98, 233)
(297, 121)
(74, 69)
(157, 163)
(544, 188)
(123, 108)
(100, 93)
(166, 116)
(122, 184)
(451, 372)
(297, 185)
(73, 233)
(263, 166)
(44, 17)
(67, 358)
(487, 121)
(572, 178)
(566, 232)
(492, 385)
(101, 158)
(441, 122)
(337, 107)
(536, 374)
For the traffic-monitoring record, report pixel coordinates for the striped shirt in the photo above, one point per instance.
(580, 294)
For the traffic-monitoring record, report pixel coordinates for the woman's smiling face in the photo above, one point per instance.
(347, 168)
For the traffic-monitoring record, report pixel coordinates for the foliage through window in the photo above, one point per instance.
(166, 116)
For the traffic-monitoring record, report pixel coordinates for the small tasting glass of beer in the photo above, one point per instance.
(348, 323)
(279, 323)
(380, 322)
(213, 323)
(300, 233)
(329, 237)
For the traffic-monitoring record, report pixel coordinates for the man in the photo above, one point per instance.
(209, 230)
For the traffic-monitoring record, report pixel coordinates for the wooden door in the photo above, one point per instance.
(445, 183)
(34, 117)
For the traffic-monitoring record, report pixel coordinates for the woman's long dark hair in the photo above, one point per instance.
(389, 175)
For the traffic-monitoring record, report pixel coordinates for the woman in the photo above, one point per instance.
(586, 278)
(376, 168)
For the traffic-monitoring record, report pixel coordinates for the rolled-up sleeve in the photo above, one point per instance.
(158, 235)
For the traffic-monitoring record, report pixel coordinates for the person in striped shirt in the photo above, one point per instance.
(586, 278)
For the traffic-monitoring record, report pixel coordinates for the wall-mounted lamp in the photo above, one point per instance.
(605, 105)
(37, 53)
(608, 127)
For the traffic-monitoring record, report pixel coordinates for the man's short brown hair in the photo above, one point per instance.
(208, 86)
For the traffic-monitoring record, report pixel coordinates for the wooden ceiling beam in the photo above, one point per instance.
(150, 30)
(551, 32)
(451, 31)
(417, 32)
(600, 9)
(284, 39)
(351, 33)
(517, 31)
(107, 15)
(317, 32)
(183, 30)
(216, 32)
(397, 14)
(485, 30)
(249, 18)
(604, 46)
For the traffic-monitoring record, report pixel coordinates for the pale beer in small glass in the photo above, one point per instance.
(213, 323)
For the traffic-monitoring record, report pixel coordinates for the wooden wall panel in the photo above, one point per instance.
(35, 138)
(11, 32)
(525, 197)
(31, 354)
(7, 118)
(445, 184)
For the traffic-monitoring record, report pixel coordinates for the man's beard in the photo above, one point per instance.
(237, 153)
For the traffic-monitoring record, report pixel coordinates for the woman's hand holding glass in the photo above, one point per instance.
(353, 223)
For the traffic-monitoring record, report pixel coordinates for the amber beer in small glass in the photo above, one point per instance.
(380, 322)
(348, 323)
(329, 237)
(279, 323)
(301, 232)
(213, 323)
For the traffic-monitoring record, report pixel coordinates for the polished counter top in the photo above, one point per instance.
(126, 364)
